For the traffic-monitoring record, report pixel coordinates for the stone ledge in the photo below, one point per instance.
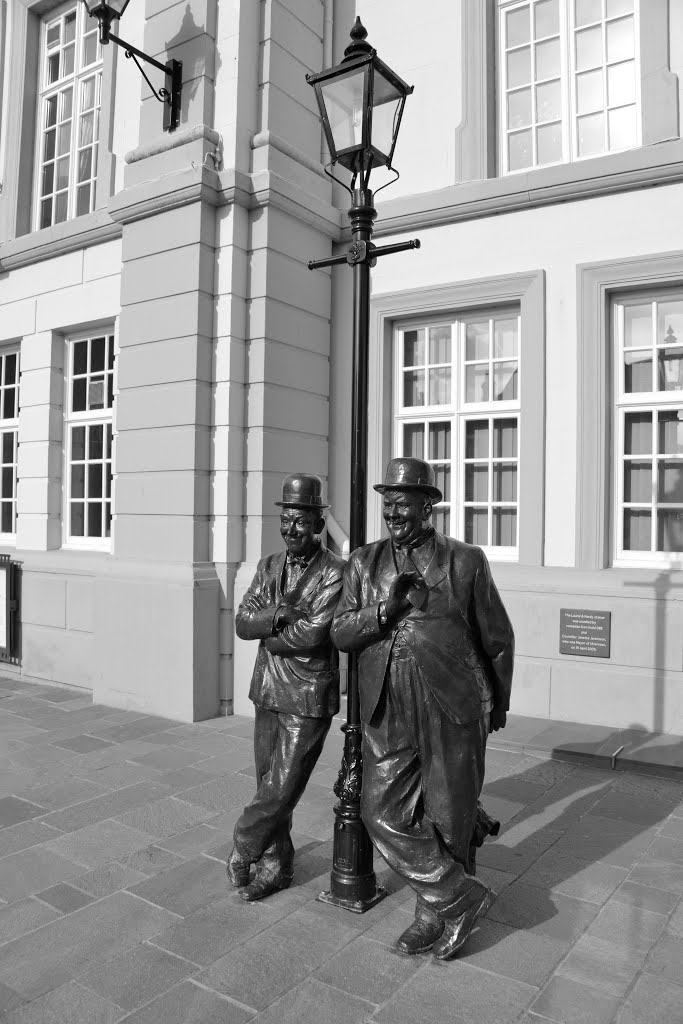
(78, 233)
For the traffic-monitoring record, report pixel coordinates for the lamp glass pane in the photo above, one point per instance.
(343, 100)
(386, 107)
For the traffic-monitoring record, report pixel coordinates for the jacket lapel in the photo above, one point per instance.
(437, 569)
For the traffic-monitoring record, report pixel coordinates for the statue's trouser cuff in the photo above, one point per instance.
(286, 749)
(422, 777)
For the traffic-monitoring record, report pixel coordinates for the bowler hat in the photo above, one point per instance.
(410, 475)
(302, 490)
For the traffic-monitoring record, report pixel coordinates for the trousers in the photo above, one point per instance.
(422, 778)
(286, 749)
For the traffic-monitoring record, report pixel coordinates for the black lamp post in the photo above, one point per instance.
(361, 103)
(106, 13)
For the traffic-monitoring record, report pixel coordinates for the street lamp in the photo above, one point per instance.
(361, 103)
(107, 12)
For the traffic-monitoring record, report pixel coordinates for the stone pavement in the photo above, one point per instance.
(114, 828)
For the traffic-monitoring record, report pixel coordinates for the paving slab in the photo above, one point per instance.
(189, 1003)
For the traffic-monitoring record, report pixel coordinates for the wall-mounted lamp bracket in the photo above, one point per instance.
(173, 69)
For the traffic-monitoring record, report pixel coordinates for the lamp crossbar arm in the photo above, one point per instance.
(370, 253)
(387, 250)
(330, 261)
(134, 52)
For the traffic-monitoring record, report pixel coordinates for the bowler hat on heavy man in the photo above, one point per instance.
(410, 475)
(302, 490)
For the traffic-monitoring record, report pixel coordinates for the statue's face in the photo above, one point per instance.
(298, 528)
(406, 514)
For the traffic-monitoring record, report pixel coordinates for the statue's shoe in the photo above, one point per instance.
(420, 936)
(457, 932)
(264, 885)
(237, 869)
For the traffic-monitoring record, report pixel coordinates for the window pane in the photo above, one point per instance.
(591, 134)
(68, 62)
(85, 133)
(623, 129)
(97, 355)
(413, 441)
(7, 524)
(95, 434)
(78, 395)
(49, 144)
(8, 447)
(413, 348)
(78, 481)
(60, 207)
(546, 18)
(95, 481)
(70, 27)
(77, 519)
(85, 164)
(504, 482)
(670, 322)
(549, 144)
(670, 367)
(442, 476)
(7, 482)
(477, 341)
(10, 368)
(505, 338)
(504, 527)
(520, 152)
(439, 441)
(477, 439)
(414, 388)
(519, 108)
(477, 383)
(505, 439)
(94, 519)
(637, 530)
(638, 433)
(615, 7)
(64, 140)
(547, 60)
(638, 482)
(670, 482)
(620, 45)
(89, 50)
(638, 372)
(52, 68)
(107, 519)
(46, 213)
(108, 440)
(517, 25)
(83, 200)
(53, 34)
(476, 526)
(505, 382)
(670, 530)
(476, 482)
(77, 444)
(50, 111)
(440, 386)
(519, 67)
(9, 410)
(442, 520)
(63, 173)
(589, 49)
(67, 104)
(589, 93)
(621, 83)
(588, 11)
(670, 440)
(440, 345)
(548, 102)
(638, 326)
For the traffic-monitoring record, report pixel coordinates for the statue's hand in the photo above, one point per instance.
(397, 601)
(497, 720)
(287, 615)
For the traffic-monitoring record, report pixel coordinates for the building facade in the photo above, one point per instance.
(167, 356)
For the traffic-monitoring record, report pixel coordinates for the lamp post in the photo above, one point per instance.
(361, 103)
(107, 11)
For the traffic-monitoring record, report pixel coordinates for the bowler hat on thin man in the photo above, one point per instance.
(302, 490)
(410, 475)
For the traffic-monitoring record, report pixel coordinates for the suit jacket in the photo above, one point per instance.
(297, 669)
(462, 639)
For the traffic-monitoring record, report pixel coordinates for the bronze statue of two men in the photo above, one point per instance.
(435, 655)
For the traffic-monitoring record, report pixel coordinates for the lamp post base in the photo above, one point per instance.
(352, 881)
(355, 906)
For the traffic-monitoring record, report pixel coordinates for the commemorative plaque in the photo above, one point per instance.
(585, 633)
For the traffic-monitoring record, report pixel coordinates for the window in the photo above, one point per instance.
(458, 407)
(70, 86)
(89, 440)
(649, 428)
(9, 427)
(569, 80)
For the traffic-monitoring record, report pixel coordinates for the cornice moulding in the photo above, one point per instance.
(80, 233)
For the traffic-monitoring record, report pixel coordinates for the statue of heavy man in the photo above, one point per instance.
(435, 653)
(295, 686)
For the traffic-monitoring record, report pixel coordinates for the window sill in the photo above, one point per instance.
(90, 229)
(645, 167)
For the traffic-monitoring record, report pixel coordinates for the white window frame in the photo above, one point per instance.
(651, 402)
(458, 413)
(88, 418)
(568, 85)
(9, 425)
(75, 81)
